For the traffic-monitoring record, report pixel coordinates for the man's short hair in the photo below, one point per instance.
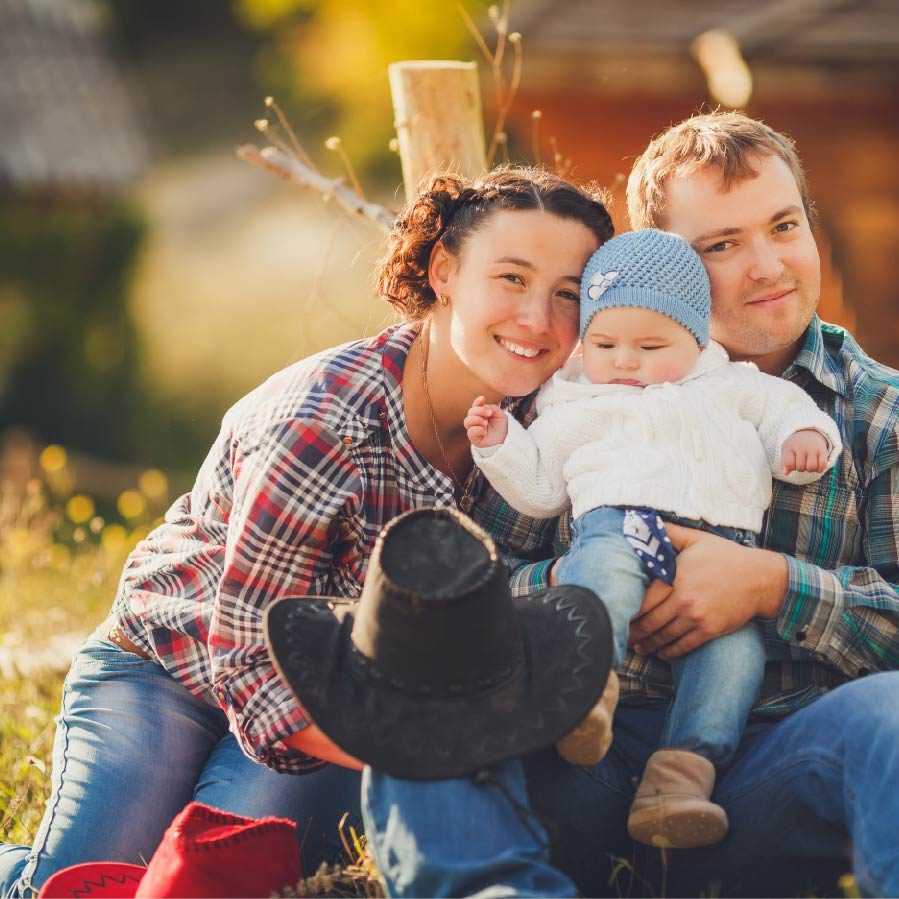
(728, 141)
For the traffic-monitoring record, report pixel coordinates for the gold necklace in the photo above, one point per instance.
(463, 491)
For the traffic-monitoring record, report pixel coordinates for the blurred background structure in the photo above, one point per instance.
(148, 277)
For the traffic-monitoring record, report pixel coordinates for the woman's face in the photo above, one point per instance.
(513, 310)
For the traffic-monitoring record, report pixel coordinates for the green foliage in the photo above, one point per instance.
(333, 57)
(72, 367)
(70, 353)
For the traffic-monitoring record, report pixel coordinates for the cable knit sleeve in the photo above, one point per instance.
(781, 409)
(527, 467)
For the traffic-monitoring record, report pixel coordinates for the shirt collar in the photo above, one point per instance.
(814, 358)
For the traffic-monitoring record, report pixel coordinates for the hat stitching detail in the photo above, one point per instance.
(188, 843)
(385, 732)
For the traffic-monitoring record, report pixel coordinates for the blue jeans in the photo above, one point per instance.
(132, 748)
(716, 684)
(808, 798)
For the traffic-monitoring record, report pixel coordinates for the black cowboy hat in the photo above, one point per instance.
(437, 671)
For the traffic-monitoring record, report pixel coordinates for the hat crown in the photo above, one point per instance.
(436, 614)
(648, 269)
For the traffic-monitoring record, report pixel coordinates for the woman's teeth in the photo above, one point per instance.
(527, 352)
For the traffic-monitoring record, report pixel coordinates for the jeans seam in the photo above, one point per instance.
(830, 762)
(609, 786)
(44, 831)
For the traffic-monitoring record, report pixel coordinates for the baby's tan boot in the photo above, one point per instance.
(672, 807)
(591, 739)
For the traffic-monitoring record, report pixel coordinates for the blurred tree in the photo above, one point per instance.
(70, 353)
(333, 55)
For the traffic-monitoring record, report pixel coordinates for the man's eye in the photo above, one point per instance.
(719, 247)
(783, 227)
(569, 295)
(513, 277)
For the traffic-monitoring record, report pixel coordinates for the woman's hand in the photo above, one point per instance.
(312, 740)
(486, 424)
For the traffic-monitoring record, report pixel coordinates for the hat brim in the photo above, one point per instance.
(400, 730)
(90, 879)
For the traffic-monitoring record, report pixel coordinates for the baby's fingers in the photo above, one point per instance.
(788, 460)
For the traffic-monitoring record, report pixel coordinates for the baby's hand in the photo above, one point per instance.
(805, 450)
(486, 424)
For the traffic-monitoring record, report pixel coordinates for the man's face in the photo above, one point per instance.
(757, 246)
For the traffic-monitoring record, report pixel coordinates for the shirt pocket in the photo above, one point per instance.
(819, 523)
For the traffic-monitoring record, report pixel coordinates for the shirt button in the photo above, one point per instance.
(801, 635)
(348, 441)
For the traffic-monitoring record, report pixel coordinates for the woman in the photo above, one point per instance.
(175, 697)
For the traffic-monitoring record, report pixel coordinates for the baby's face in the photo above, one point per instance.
(627, 345)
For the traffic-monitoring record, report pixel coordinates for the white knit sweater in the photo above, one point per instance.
(703, 447)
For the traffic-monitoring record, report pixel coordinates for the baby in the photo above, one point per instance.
(654, 418)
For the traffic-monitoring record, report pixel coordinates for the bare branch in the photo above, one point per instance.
(506, 104)
(473, 30)
(536, 116)
(336, 145)
(298, 150)
(284, 166)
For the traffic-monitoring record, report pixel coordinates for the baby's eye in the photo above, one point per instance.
(650, 347)
(605, 346)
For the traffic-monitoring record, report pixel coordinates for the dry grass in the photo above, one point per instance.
(57, 580)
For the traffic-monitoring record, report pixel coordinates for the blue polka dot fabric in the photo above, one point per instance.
(646, 533)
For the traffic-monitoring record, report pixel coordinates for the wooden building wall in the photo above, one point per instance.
(848, 144)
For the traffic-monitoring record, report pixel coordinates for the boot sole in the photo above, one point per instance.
(685, 824)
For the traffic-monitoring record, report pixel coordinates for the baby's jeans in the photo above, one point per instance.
(717, 683)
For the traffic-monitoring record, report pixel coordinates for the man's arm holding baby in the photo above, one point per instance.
(848, 612)
(721, 585)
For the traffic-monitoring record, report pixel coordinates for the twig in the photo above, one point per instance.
(264, 127)
(299, 152)
(501, 22)
(515, 41)
(279, 163)
(479, 40)
(536, 116)
(336, 145)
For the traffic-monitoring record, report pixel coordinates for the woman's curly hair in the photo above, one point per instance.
(450, 210)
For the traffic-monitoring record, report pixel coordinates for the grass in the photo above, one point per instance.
(57, 578)
(59, 567)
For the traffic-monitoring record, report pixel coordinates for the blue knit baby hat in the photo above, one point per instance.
(652, 270)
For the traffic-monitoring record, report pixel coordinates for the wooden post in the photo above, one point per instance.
(437, 112)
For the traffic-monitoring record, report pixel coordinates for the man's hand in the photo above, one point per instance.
(486, 424)
(805, 450)
(719, 586)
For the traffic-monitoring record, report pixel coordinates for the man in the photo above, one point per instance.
(812, 791)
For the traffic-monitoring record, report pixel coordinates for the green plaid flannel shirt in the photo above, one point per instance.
(840, 537)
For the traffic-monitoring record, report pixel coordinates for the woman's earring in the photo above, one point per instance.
(443, 299)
